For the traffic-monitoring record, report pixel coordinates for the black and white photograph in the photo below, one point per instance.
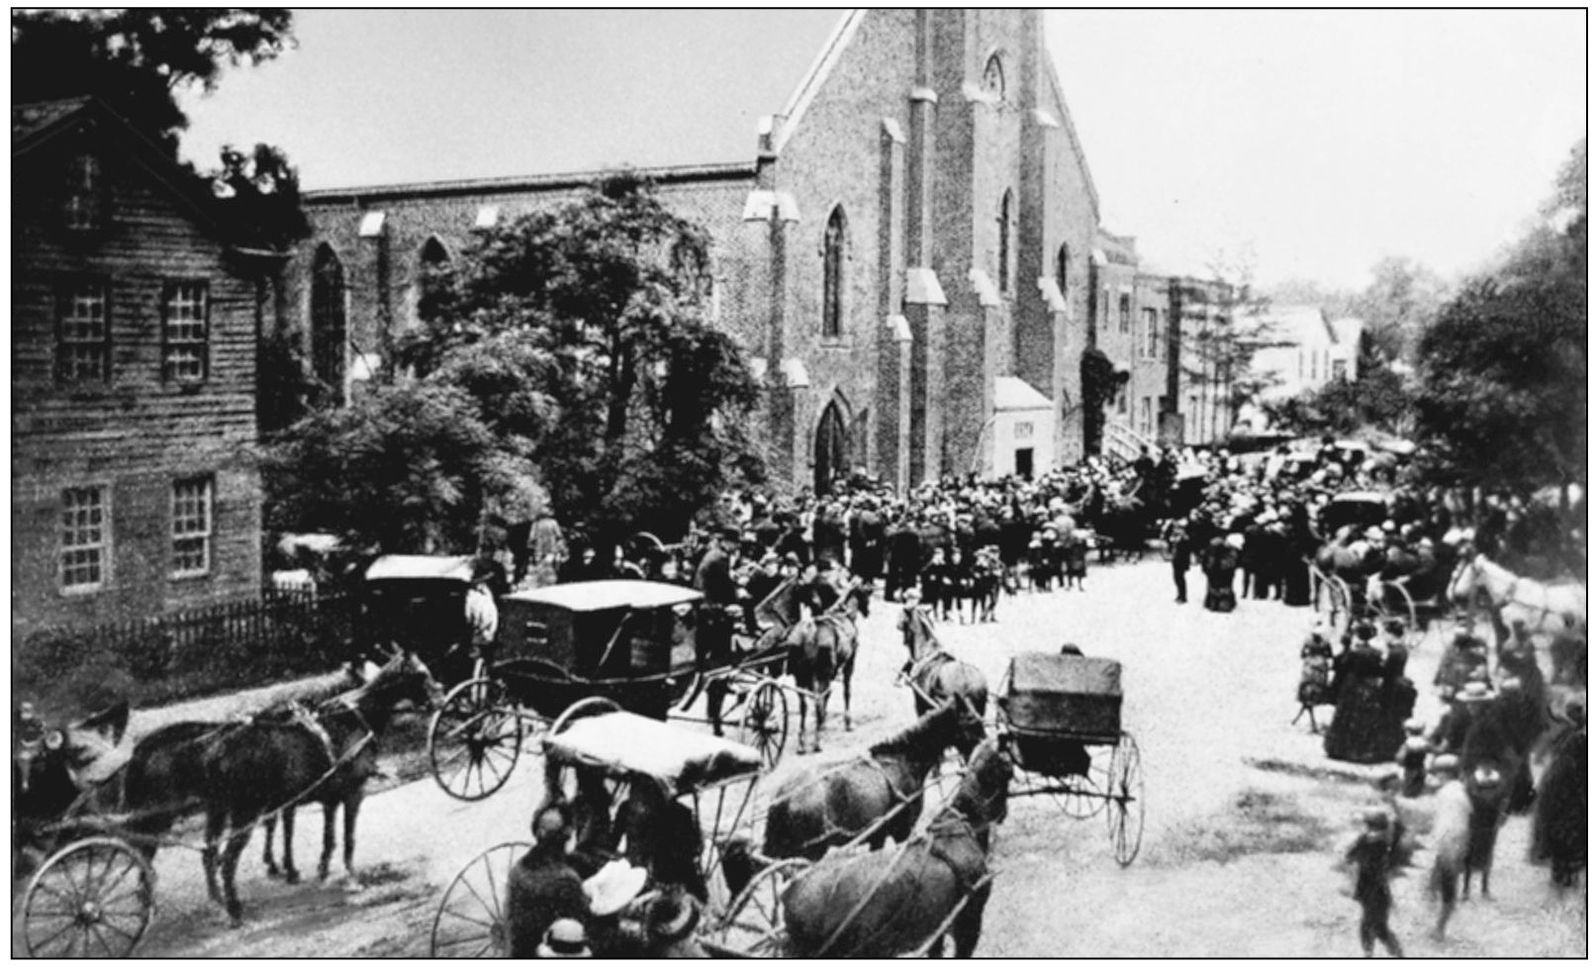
(799, 483)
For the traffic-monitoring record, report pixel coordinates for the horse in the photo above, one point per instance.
(272, 765)
(817, 809)
(878, 906)
(936, 676)
(818, 651)
(1542, 608)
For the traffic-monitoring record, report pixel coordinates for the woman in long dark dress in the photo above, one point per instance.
(1366, 706)
(1218, 564)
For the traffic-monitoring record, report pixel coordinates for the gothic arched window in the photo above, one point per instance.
(993, 80)
(835, 256)
(431, 263)
(328, 327)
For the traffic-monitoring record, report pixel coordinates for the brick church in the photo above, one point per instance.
(906, 254)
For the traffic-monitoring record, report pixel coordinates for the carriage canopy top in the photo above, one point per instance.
(597, 596)
(1065, 695)
(453, 568)
(623, 743)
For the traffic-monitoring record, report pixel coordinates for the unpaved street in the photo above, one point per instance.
(1244, 815)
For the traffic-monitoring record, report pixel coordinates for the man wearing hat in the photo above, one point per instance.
(672, 920)
(610, 893)
(1372, 856)
(719, 589)
(543, 887)
(566, 938)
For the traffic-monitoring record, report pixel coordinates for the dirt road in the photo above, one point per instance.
(1245, 817)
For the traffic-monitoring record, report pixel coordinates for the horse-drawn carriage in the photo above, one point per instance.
(1061, 714)
(92, 893)
(713, 779)
(632, 642)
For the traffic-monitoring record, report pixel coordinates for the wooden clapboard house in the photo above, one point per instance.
(133, 350)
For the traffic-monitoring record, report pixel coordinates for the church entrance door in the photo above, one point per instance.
(830, 449)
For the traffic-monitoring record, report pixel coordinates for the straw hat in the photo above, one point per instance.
(1413, 726)
(1475, 691)
(1444, 763)
(615, 885)
(566, 938)
(1486, 776)
(672, 916)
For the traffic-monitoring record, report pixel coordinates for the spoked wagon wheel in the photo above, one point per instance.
(1083, 796)
(581, 709)
(93, 899)
(470, 918)
(474, 740)
(764, 722)
(755, 923)
(1396, 602)
(1126, 800)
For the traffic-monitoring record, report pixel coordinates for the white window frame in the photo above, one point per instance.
(100, 546)
(75, 301)
(82, 212)
(185, 330)
(193, 521)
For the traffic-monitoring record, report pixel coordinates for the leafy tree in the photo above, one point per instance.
(583, 330)
(1398, 305)
(412, 468)
(1504, 400)
(1379, 399)
(137, 59)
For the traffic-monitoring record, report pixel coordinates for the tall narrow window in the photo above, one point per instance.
(84, 208)
(84, 538)
(434, 259)
(83, 333)
(191, 526)
(1149, 334)
(1005, 242)
(1063, 271)
(328, 335)
(835, 258)
(185, 331)
(993, 80)
(1124, 312)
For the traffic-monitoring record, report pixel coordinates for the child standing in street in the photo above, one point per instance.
(1373, 855)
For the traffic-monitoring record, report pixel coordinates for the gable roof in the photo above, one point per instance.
(28, 120)
(37, 124)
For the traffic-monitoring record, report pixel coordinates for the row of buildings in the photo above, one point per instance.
(911, 255)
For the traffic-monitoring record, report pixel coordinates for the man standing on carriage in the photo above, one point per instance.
(713, 579)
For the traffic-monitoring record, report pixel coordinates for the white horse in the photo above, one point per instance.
(1542, 608)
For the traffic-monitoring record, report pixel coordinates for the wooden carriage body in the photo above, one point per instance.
(1055, 705)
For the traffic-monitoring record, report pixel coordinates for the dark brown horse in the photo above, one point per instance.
(266, 766)
(819, 650)
(935, 676)
(901, 902)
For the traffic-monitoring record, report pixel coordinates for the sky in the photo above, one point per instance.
(1298, 144)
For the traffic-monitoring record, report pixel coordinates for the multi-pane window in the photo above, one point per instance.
(1124, 312)
(1124, 400)
(1146, 415)
(1149, 334)
(185, 309)
(191, 526)
(83, 208)
(83, 337)
(84, 534)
